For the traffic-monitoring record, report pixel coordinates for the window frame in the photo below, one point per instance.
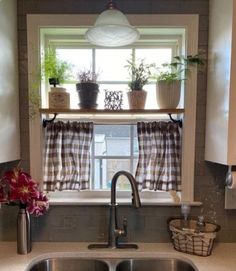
(189, 22)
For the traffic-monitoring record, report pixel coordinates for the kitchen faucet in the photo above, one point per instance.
(114, 232)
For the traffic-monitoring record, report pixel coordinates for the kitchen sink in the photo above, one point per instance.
(70, 264)
(78, 264)
(168, 264)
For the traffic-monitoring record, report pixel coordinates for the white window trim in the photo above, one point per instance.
(103, 198)
(189, 22)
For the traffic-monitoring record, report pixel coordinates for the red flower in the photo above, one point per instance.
(23, 189)
(39, 205)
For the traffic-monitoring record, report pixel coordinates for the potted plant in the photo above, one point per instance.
(56, 71)
(87, 89)
(140, 74)
(168, 87)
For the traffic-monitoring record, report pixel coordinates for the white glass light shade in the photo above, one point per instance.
(112, 29)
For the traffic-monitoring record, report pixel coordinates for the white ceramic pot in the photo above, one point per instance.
(59, 98)
(168, 94)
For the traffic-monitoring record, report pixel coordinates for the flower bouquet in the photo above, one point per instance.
(18, 188)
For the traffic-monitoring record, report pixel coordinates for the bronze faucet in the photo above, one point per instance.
(115, 232)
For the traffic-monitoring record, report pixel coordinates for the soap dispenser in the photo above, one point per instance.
(185, 211)
(200, 226)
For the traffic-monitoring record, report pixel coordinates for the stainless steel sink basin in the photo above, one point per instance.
(78, 264)
(70, 264)
(154, 265)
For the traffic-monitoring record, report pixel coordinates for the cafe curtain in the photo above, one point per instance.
(67, 155)
(159, 163)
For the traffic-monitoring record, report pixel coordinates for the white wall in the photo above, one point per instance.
(9, 100)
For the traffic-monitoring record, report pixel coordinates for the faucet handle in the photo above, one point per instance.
(125, 226)
(122, 232)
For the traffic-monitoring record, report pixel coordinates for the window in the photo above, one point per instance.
(108, 156)
(110, 65)
(181, 38)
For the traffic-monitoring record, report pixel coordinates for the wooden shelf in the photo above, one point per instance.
(111, 112)
(125, 115)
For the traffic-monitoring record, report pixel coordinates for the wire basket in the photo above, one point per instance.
(190, 239)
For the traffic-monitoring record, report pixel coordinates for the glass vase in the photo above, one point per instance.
(23, 231)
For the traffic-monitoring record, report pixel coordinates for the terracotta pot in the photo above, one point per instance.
(137, 99)
(168, 94)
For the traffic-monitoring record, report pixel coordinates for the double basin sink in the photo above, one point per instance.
(78, 264)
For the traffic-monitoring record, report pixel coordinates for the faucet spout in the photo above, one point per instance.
(135, 195)
(114, 231)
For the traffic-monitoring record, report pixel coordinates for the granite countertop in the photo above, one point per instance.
(222, 258)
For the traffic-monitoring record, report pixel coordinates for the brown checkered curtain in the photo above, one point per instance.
(159, 163)
(67, 155)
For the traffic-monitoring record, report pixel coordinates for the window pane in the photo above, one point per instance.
(110, 63)
(105, 169)
(158, 55)
(80, 59)
(74, 99)
(135, 147)
(110, 138)
(151, 102)
(135, 163)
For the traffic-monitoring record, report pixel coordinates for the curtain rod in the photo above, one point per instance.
(114, 121)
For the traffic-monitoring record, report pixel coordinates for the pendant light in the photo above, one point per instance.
(112, 29)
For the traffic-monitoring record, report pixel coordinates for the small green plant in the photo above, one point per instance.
(139, 72)
(54, 69)
(178, 69)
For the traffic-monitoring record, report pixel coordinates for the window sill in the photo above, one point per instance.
(101, 198)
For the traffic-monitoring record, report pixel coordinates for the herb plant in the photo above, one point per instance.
(178, 69)
(139, 72)
(87, 76)
(55, 68)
